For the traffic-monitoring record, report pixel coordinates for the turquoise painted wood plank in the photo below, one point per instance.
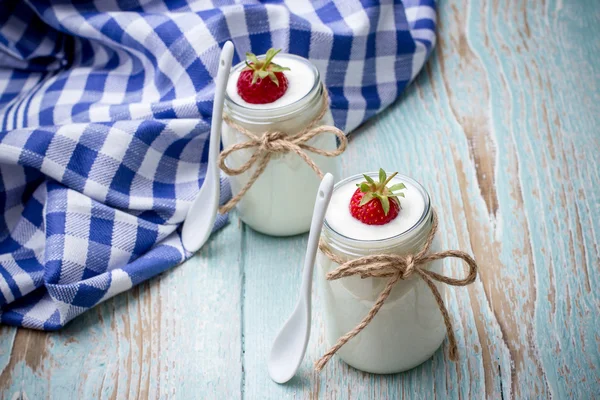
(483, 111)
(502, 128)
(173, 337)
(530, 71)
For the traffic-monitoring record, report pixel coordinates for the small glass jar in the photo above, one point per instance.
(409, 327)
(281, 200)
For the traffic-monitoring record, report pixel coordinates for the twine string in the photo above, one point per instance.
(277, 142)
(399, 267)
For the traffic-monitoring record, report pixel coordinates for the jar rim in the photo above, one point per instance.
(382, 242)
(281, 110)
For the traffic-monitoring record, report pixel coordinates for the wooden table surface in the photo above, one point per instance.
(503, 128)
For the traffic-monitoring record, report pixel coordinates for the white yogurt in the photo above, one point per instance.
(300, 80)
(340, 220)
(281, 200)
(409, 327)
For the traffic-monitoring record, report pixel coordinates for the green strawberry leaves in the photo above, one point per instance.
(382, 175)
(385, 203)
(264, 68)
(252, 59)
(369, 179)
(398, 186)
(366, 198)
(380, 191)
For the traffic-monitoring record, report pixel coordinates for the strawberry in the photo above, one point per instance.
(373, 203)
(252, 84)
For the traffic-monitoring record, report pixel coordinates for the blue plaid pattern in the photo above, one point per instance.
(105, 113)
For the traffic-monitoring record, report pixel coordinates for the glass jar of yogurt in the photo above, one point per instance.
(409, 327)
(281, 200)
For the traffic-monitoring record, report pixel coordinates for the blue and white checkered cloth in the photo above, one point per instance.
(105, 113)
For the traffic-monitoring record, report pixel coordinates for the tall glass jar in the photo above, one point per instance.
(409, 327)
(281, 200)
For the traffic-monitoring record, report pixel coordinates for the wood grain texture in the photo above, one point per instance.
(173, 337)
(502, 129)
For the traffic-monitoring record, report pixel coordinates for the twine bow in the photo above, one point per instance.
(397, 268)
(271, 143)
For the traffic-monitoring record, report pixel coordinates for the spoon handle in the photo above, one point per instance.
(321, 203)
(217, 112)
(202, 213)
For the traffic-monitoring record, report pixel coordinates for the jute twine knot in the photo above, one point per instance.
(270, 141)
(277, 142)
(398, 267)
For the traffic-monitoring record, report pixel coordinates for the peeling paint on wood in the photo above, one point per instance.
(502, 127)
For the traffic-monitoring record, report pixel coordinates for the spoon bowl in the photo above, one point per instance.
(201, 215)
(290, 345)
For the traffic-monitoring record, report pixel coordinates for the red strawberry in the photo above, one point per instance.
(373, 203)
(252, 84)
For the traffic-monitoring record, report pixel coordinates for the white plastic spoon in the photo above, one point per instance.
(201, 216)
(290, 344)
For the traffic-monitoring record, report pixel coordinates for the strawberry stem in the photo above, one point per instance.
(389, 179)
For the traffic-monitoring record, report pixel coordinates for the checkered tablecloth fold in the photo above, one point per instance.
(104, 124)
